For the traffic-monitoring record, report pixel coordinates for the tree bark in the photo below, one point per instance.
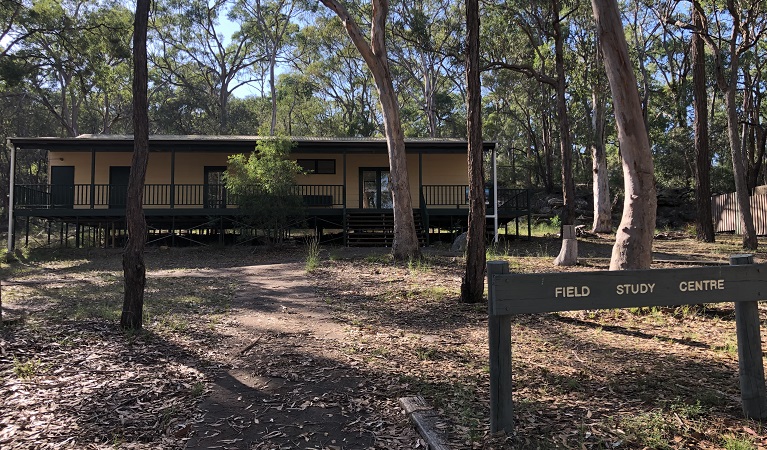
(596, 111)
(273, 92)
(134, 269)
(756, 167)
(405, 244)
(633, 242)
(738, 169)
(548, 151)
(566, 256)
(565, 140)
(603, 222)
(473, 284)
(704, 226)
(727, 83)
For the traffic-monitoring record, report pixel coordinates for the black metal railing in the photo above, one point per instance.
(446, 195)
(457, 196)
(83, 196)
(513, 199)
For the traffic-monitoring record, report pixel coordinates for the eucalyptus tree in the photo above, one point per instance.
(670, 129)
(633, 241)
(516, 45)
(472, 284)
(301, 111)
(755, 130)
(374, 52)
(544, 23)
(425, 61)
(704, 227)
(591, 90)
(134, 269)
(338, 78)
(65, 62)
(14, 25)
(107, 107)
(737, 27)
(642, 28)
(192, 55)
(518, 115)
(273, 22)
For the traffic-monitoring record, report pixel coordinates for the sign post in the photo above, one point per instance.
(750, 364)
(499, 336)
(742, 282)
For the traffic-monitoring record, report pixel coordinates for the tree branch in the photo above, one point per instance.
(524, 69)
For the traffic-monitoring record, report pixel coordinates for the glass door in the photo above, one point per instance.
(375, 191)
(214, 190)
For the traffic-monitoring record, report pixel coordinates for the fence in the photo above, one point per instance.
(726, 213)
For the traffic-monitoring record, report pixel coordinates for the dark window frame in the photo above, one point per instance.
(312, 166)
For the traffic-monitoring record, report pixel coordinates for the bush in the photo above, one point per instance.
(263, 185)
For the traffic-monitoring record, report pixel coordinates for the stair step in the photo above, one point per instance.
(376, 228)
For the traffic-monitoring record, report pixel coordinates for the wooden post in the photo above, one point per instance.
(750, 364)
(499, 336)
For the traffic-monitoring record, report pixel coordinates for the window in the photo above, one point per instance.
(318, 166)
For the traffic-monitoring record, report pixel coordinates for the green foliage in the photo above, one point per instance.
(731, 442)
(263, 185)
(26, 369)
(649, 428)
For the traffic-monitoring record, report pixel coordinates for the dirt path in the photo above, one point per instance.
(290, 382)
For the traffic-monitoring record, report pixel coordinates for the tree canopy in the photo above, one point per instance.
(286, 67)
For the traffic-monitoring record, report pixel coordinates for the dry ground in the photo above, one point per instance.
(233, 357)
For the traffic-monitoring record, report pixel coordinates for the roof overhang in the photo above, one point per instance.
(234, 144)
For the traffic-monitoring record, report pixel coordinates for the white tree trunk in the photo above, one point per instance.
(633, 242)
(601, 188)
(568, 255)
(405, 244)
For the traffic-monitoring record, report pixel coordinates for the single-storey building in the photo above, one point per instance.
(344, 188)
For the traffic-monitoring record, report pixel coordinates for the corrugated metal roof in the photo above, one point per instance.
(201, 137)
(236, 144)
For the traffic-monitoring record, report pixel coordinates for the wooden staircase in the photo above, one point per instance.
(375, 228)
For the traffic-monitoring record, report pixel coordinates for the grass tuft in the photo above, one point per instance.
(26, 369)
(312, 253)
(731, 442)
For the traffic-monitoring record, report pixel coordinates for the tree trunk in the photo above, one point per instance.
(633, 242)
(223, 120)
(738, 169)
(756, 167)
(565, 140)
(566, 256)
(728, 84)
(273, 91)
(133, 255)
(473, 284)
(405, 244)
(548, 169)
(704, 226)
(429, 93)
(603, 222)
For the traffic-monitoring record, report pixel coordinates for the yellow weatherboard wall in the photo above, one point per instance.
(448, 169)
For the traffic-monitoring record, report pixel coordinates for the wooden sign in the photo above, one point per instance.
(549, 292)
(741, 282)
